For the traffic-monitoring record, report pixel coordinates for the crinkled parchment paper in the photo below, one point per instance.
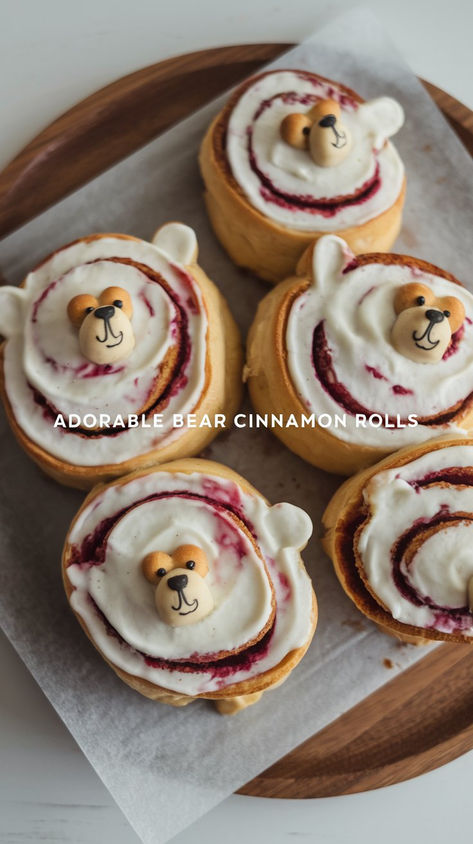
(165, 767)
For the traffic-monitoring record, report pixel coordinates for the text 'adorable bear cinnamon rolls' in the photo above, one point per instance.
(293, 156)
(190, 584)
(108, 329)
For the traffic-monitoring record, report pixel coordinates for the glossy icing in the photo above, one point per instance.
(284, 183)
(46, 372)
(342, 360)
(415, 547)
(115, 531)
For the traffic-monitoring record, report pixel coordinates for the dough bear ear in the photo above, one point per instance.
(330, 255)
(178, 242)
(383, 117)
(288, 526)
(12, 301)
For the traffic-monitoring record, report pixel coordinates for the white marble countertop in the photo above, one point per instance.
(52, 54)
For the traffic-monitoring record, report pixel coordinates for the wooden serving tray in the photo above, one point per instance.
(424, 717)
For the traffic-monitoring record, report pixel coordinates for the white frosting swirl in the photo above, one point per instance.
(442, 565)
(356, 312)
(271, 172)
(203, 514)
(43, 363)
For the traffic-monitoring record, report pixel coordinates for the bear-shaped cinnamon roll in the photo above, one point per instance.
(377, 348)
(400, 535)
(191, 584)
(294, 156)
(107, 340)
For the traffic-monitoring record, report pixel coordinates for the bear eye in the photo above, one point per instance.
(306, 130)
(161, 572)
(446, 313)
(420, 300)
(190, 564)
(89, 310)
(118, 303)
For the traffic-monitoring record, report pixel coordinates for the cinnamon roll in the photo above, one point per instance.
(399, 537)
(109, 340)
(293, 156)
(190, 584)
(369, 353)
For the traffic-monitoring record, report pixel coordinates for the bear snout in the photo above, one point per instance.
(105, 312)
(434, 316)
(183, 598)
(178, 582)
(421, 334)
(328, 121)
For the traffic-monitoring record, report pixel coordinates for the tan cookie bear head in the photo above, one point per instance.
(182, 597)
(105, 331)
(424, 324)
(322, 132)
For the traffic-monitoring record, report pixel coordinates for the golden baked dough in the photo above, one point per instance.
(220, 368)
(229, 697)
(273, 389)
(348, 512)
(252, 239)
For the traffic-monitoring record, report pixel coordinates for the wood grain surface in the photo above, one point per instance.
(422, 718)
(417, 722)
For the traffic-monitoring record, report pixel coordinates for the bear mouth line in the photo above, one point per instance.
(426, 335)
(182, 599)
(340, 138)
(109, 332)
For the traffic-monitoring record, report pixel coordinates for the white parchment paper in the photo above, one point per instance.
(166, 767)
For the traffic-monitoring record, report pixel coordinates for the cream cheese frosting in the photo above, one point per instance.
(284, 183)
(339, 330)
(46, 374)
(415, 546)
(160, 510)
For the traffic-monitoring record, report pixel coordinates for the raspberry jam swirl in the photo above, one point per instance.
(284, 183)
(262, 594)
(413, 547)
(342, 360)
(47, 375)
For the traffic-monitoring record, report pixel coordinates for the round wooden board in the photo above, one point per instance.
(422, 718)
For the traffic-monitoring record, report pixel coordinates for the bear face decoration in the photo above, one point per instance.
(358, 329)
(105, 331)
(313, 143)
(322, 132)
(82, 354)
(425, 323)
(182, 597)
(309, 156)
(172, 543)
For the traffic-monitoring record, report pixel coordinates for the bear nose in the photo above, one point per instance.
(328, 121)
(434, 316)
(178, 582)
(105, 312)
